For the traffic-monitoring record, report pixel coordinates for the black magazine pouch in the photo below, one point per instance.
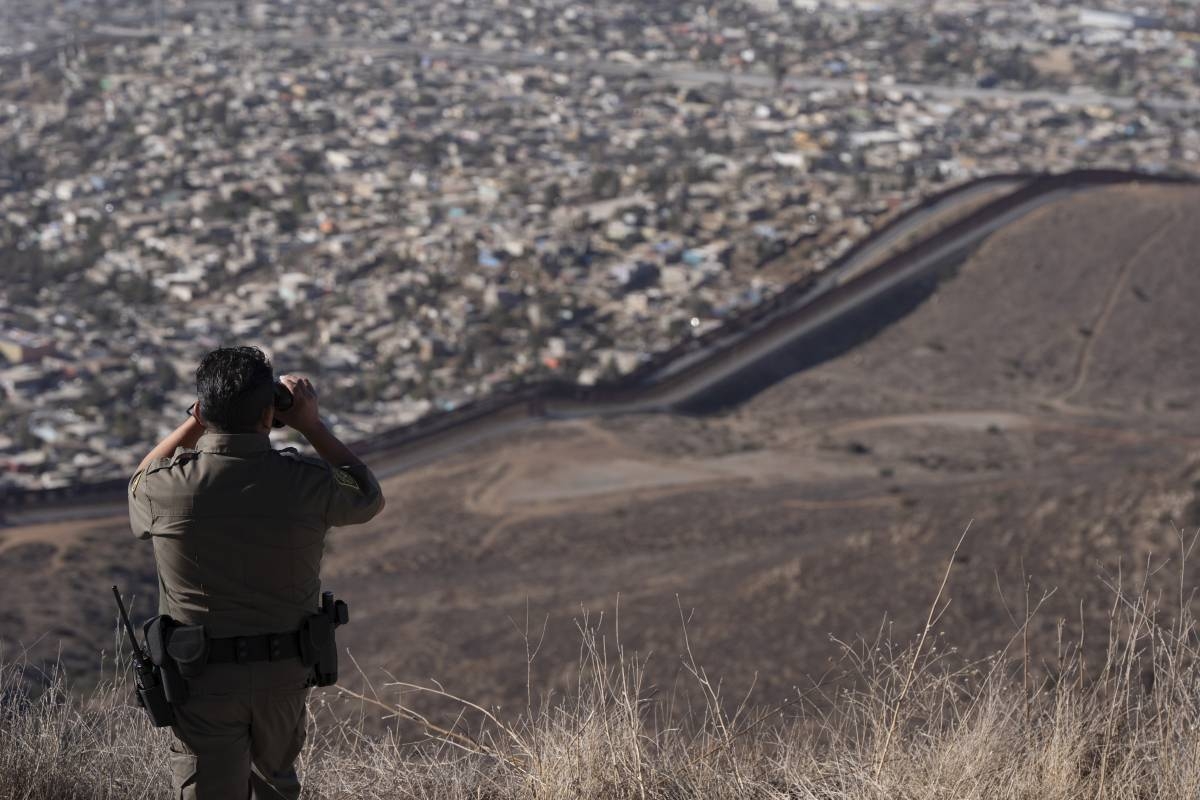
(157, 631)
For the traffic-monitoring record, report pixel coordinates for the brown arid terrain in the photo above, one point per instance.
(1046, 396)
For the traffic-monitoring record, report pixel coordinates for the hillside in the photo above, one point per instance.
(1043, 393)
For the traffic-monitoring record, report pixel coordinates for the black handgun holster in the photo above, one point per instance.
(318, 649)
(179, 651)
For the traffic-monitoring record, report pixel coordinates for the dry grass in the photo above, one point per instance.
(915, 722)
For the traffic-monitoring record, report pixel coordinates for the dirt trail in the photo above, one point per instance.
(967, 420)
(1110, 303)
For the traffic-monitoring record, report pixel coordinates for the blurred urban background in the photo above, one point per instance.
(420, 204)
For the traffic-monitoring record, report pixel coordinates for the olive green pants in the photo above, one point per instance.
(240, 731)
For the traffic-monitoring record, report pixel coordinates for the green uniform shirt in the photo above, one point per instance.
(239, 530)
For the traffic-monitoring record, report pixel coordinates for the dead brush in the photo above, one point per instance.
(916, 721)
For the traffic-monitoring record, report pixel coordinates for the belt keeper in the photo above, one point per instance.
(240, 650)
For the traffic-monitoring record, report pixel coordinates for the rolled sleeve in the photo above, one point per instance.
(355, 495)
(139, 505)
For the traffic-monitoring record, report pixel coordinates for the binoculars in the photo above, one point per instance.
(283, 401)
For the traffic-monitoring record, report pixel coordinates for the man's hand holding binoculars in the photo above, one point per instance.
(301, 412)
(303, 415)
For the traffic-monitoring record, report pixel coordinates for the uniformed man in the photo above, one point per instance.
(238, 530)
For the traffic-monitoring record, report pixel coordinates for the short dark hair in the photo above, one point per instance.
(234, 385)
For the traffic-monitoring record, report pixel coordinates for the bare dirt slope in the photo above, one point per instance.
(1046, 392)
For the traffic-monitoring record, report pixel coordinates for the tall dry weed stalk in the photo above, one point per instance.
(917, 722)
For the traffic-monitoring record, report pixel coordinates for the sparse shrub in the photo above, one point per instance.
(915, 722)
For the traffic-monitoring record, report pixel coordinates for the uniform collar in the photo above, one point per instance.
(233, 444)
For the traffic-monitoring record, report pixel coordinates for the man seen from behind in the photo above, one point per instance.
(238, 530)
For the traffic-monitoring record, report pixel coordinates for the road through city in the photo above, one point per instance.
(679, 73)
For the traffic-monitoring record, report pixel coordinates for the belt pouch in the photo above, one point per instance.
(157, 631)
(187, 645)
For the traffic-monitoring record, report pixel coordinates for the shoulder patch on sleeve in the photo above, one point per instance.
(184, 456)
(346, 479)
(292, 454)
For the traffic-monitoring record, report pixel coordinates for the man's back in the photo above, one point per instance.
(239, 530)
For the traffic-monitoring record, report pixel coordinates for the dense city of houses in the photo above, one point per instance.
(423, 204)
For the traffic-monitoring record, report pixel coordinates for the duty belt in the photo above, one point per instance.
(264, 647)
